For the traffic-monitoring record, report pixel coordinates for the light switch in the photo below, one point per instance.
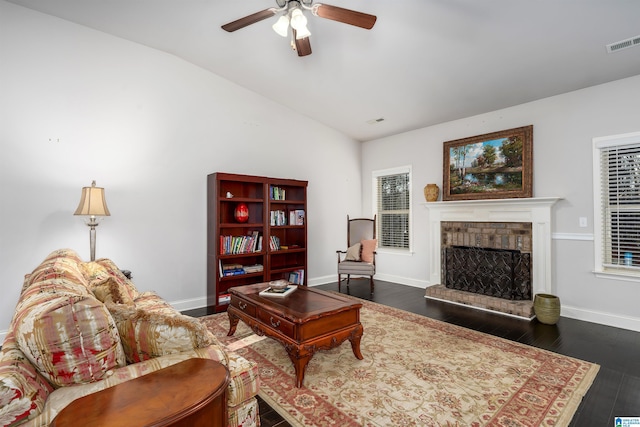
(583, 221)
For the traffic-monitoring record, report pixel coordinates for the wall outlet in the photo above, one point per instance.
(583, 221)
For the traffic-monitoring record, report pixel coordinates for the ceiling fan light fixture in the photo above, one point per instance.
(302, 33)
(298, 20)
(281, 26)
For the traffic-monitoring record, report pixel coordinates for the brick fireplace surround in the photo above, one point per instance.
(522, 224)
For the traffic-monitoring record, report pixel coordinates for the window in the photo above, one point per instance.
(617, 207)
(391, 204)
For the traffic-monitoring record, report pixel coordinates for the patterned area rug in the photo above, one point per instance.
(416, 372)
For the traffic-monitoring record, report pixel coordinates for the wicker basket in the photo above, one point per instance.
(547, 308)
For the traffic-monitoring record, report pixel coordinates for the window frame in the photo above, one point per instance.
(374, 179)
(603, 269)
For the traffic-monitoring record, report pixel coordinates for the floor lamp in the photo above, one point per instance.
(93, 205)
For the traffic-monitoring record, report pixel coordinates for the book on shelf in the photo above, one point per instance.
(296, 217)
(236, 269)
(224, 298)
(234, 272)
(277, 218)
(226, 267)
(255, 268)
(285, 247)
(297, 277)
(274, 243)
(277, 193)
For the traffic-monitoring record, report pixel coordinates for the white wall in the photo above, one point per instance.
(78, 105)
(563, 128)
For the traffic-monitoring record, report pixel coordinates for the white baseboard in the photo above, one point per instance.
(416, 283)
(322, 280)
(602, 318)
(189, 304)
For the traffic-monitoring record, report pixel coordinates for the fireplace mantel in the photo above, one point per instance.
(536, 210)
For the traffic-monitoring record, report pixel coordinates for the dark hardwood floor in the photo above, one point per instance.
(615, 391)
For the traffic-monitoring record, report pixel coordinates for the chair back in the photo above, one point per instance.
(360, 229)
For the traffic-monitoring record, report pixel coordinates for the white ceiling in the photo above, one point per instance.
(424, 62)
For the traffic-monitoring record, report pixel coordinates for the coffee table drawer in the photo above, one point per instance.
(276, 322)
(244, 306)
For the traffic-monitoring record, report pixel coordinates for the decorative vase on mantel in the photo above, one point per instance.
(431, 192)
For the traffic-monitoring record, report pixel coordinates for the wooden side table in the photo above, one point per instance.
(192, 393)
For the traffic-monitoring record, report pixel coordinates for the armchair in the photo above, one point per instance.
(360, 257)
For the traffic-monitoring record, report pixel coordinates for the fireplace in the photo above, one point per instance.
(488, 258)
(519, 230)
(500, 273)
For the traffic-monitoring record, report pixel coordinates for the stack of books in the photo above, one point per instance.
(255, 268)
(236, 269)
(231, 269)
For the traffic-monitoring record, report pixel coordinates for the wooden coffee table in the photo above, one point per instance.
(304, 322)
(192, 393)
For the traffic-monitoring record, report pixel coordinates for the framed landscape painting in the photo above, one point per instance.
(496, 165)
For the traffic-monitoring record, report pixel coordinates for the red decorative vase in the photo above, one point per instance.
(241, 213)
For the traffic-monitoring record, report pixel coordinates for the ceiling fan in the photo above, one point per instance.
(292, 16)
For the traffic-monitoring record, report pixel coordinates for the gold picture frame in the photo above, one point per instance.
(497, 165)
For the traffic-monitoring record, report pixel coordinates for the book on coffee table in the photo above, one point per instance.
(270, 292)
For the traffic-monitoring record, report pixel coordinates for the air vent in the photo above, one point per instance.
(623, 44)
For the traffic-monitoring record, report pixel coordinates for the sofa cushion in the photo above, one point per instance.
(109, 291)
(61, 265)
(150, 301)
(69, 338)
(146, 334)
(93, 272)
(23, 391)
(97, 271)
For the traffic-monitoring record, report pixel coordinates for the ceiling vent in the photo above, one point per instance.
(623, 44)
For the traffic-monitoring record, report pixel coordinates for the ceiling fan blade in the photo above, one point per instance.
(347, 16)
(250, 19)
(303, 46)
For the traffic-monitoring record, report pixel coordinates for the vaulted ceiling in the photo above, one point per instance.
(424, 62)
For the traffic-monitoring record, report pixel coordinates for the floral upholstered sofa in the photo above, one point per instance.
(80, 327)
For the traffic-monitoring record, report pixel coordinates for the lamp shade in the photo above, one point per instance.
(281, 26)
(302, 33)
(92, 202)
(298, 20)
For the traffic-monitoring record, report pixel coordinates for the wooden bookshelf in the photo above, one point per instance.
(277, 242)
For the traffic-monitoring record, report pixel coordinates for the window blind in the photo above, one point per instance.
(393, 196)
(620, 205)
